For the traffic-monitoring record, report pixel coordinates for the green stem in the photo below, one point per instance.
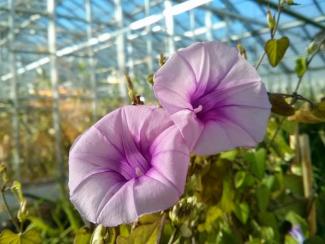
(277, 20)
(295, 95)
(273, 31)
(113, 235)
(260, 60)
(277, 131)
(307, 66)
(13, 219)
(65, 232)
(161, 227)
(172, 237)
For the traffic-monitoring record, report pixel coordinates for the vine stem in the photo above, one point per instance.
(260, 60)
(172, 237)
(273, 31)
(307, 66)
(161, 227)
(9, 211)
(295, 95)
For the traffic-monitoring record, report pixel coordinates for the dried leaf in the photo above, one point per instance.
(280, 106)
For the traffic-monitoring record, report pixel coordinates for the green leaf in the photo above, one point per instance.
(294, 184)
(242, 212)
(82, 236)
(228, 194)
(98, 235)
(124, 231)
(275, 49)
(296, 219)
(262, 197)
(226, 237)
(260, 158)
(269, 181)
(28, 237)
(267, 233)
(249, 180)
(257, 162)
(122, 240)
(315, 240)
(240, 178)
(211, 180)
(149, 218)
(213, 213)
(41, 225)
(290, 240)
(144, 234)
(301, 66)
(230, 155)
(267, 219)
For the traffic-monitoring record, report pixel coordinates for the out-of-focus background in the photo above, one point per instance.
(62, 64)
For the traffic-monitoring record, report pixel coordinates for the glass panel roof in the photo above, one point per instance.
(230, 21)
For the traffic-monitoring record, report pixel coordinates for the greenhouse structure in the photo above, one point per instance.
(64, 64)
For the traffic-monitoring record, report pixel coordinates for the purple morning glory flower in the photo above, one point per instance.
(214, 96)
(297, 234)
(132, 161)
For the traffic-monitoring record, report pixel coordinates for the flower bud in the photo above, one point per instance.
(16, 189)
(270, 20)
(312, 47)
(22, 212)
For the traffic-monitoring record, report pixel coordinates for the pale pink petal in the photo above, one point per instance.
(151, 195)
(226, 85)
(122, 167)
(119, 208)
(189, 126)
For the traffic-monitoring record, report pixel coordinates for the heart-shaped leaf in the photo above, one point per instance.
(275, 49)
(28, 237)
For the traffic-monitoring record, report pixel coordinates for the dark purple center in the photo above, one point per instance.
(136, 161)
(207, 106)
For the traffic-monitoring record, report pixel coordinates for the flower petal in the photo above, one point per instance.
(189, 126)
(170, 157)
(124, 166)
(225, 85)
(94, 189)
(152, 195)
(119, 208)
